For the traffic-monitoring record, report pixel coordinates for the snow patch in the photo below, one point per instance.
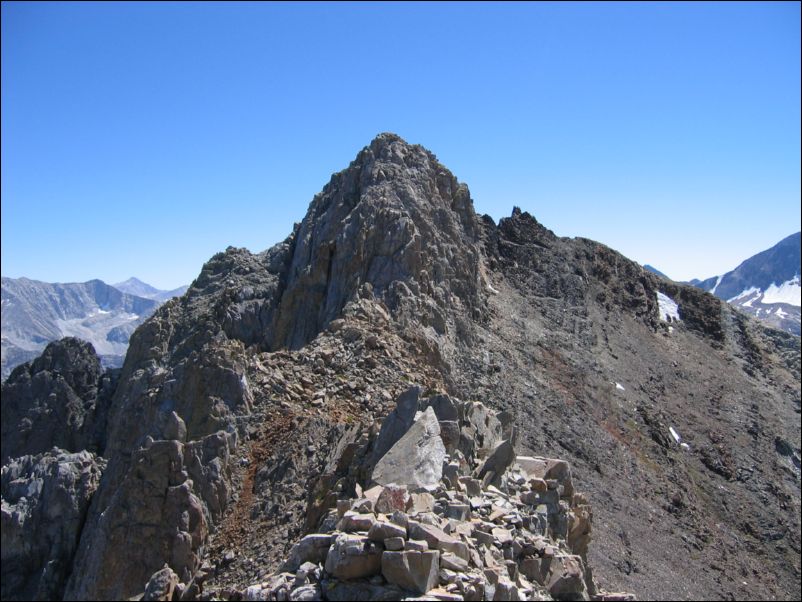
(669, 310)
(780, 313)
(788, 292)
(744, 293)
(620, 387)
(718, 281)
(674, 434)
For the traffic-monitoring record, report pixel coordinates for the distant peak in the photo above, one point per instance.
(131, 280)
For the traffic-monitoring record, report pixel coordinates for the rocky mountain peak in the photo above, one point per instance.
(395, 221)
(248, 414)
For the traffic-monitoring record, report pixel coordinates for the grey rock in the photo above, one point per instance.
(306, 593)
(45, 500)
(352, 521)
(360, 591)
(162, 519)
(453, 562)
(310, 548)
(353, 557)
(565, 580)
(416, 545)
(397, 422)
(437, 539)
(161, 585)
(415, 571)
(444, 407)
(416, 460)
(498, 461)
(382, 530)
(457, 511)
(394, 544)
(61, 399)
(422, 502)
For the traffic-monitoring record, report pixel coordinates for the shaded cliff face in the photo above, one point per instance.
(61, 399)
(235, 400)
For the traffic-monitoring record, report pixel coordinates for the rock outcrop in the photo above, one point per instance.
(395, 219)
(45, 499)
(61, 399)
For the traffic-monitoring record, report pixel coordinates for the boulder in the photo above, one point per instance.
(480, 431)
(422, 502)
(311, 548)
(306, 593)
(351, 522)
(416, 459)
(458, 511)
(444, 407)
(353, 557)
(437, 539)
(415, 571)
(161, 585)
(453, 562)
(392, 497)
(566, 578)
(498, 461)
(394, 544)
(397, 422)
(548, 469)
(382, 530)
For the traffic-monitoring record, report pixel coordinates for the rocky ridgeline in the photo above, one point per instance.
(246, 412)
(451, 513)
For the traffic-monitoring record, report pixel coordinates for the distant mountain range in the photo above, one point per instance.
(654, 270)
(35, 313)
(134, 286)
(766, 286)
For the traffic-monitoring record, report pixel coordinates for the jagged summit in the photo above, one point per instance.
(395, 215)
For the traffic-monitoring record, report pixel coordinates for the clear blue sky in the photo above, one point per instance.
(140, 139)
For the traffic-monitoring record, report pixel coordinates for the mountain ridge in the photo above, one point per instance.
(135, 286)
(765, 285)
(37, 312)
(240, 403)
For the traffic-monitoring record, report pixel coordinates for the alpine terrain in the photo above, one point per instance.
(765, 286)
(134, 286)
(404, 398)
(36, 313)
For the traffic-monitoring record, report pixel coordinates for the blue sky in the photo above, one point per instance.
(140, 139)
